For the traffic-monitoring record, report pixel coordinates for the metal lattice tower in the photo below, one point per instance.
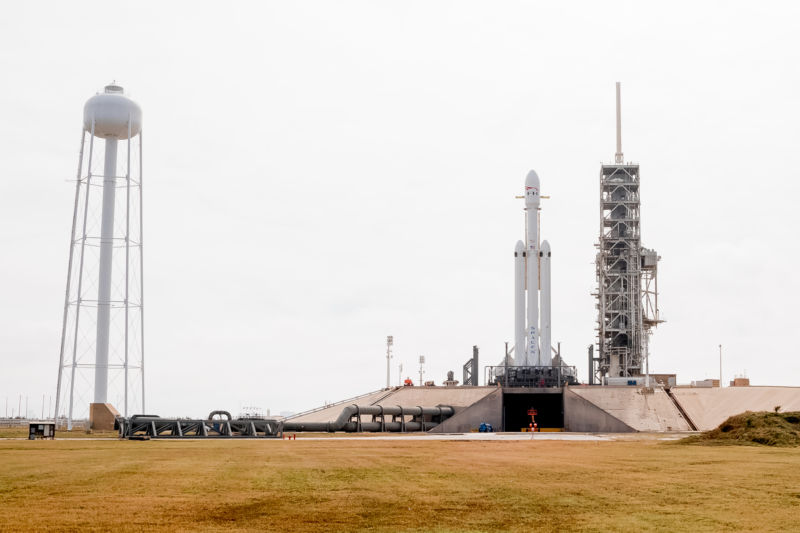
(102, 340)
(626, 272)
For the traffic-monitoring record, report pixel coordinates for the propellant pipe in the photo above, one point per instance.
(343, 423)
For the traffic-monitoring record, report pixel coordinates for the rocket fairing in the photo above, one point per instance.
(519, 304)
(532, 266)
(545, 356)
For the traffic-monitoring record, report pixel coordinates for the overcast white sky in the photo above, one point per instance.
(319, 175)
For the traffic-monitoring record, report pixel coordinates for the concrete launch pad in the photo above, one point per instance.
(608, 409)
(458, 397)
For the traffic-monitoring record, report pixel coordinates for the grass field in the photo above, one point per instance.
(377, 485)
(22, 432)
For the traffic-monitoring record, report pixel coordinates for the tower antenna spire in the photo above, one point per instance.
(618, 155)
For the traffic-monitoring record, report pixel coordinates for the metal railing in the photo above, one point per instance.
(345, 402)
(531, 376)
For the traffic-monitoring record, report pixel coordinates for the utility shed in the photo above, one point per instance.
(42, 430)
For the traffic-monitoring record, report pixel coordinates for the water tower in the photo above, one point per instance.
(101, 366)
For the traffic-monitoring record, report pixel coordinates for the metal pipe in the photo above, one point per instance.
(155, 426)
(141, 271)
(79, 298)
(69, 275)
(342, 422)
(127, 254)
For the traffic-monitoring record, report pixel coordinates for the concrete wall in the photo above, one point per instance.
(433, 396)
(488, 409)
(708, 408)
(589, 409)
(457, 397)
(582, 415)
(639, 411)
(331, 412)
(102, 416)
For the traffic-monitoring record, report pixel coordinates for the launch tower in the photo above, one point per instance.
(626, 273)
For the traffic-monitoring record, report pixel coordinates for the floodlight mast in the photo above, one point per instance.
(389, 343)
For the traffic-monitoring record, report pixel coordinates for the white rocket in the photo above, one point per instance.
(532, 340)
(532, 267)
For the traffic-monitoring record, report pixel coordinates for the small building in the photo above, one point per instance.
(665, 380)
(42, 430)
(706, 383)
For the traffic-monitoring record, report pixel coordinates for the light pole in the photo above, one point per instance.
(389, 344)
(421, 362)
(505, 366)
(720, 366)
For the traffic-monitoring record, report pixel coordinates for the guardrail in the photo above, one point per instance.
(344, 402)
(531, 376)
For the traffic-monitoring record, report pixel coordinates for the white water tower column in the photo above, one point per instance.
(104, 278)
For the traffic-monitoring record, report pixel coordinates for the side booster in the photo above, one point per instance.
(545, 356)
(520, 357)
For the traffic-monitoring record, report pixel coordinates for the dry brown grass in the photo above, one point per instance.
(22, 433)
(376, 485)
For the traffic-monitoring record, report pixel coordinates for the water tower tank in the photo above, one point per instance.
(111, 112)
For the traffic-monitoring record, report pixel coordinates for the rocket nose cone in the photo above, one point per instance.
(532, 179)
(545, 248)
(532, 188)
(520, 247)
